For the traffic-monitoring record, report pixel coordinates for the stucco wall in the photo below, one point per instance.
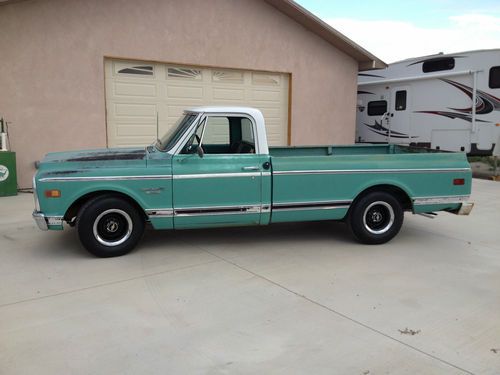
(52, 58)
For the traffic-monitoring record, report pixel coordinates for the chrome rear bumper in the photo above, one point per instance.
(465, 208)
(43, 221)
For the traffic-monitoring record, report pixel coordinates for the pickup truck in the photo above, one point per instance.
(214, 169)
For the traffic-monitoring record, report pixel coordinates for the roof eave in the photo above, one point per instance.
(365, 59)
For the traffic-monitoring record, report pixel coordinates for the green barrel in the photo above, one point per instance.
(8, 176)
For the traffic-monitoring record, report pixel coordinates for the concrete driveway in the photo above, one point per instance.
(286, 299)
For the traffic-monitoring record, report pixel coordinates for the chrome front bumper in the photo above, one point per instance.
(43, 221)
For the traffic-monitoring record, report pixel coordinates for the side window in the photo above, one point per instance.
(494, 81)
(436, 65)
(247, 131)
(217, 131)
(223, 135)
(377, 108)
(400, 104)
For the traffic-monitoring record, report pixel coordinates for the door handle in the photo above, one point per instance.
(251, 168)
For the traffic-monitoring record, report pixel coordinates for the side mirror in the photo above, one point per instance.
(200, 151)
(191, 149)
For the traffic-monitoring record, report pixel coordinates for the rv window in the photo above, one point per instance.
(377, 108)
(495, 77)
(400, 100)
(435, 65)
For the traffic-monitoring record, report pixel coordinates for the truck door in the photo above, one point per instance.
(217, 175)
(398, 120)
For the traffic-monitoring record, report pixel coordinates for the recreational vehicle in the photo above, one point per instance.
(444, 101)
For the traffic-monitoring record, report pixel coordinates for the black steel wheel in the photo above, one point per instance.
(109, 226)
(376, 218)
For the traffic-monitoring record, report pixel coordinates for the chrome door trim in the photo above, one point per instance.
(105, 178)
(216, 175)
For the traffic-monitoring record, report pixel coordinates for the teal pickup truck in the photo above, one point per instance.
(215, 169)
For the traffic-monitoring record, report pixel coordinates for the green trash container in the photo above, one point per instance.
(8, 176)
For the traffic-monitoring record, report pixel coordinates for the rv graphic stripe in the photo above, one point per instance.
(485, 103)
(382, 130)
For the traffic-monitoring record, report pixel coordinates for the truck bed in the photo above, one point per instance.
(329, 178)
(362, 149)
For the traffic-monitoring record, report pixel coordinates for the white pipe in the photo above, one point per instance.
(474, 98)
(3, 138)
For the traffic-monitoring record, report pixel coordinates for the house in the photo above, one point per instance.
(93, 73)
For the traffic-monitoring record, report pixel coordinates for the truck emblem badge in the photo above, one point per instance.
(157, 190)
(4, 173)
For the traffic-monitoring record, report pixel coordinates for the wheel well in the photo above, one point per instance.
(395, 191)
(72, 211)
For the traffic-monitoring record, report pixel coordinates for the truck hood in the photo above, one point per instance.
(112, 157)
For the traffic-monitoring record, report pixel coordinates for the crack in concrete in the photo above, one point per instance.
(108, 283)
(338, 313)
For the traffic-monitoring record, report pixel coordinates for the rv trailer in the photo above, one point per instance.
(444, 101)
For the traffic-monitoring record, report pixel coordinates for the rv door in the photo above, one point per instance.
(399, 115)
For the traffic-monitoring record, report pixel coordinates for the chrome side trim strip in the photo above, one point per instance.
(105, 178)
(216, 175)
(160, 212)
(203, 211)
(312, 203)
(214, 213)
(352, 171)
(310, 208)
(419, 201)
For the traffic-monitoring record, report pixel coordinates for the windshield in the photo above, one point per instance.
(175, 132)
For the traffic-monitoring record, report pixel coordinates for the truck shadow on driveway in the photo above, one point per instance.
(254, 236)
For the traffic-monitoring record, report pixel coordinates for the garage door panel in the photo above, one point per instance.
(140, 94)
(185, 92)
(272, 113)
(132, 130)
(228, 94)
(266, 96)
(135, 110)
(135, 89)
(133, 141)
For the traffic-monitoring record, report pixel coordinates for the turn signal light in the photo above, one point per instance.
(458, 181)
(54, 193)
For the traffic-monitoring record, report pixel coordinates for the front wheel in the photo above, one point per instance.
(109, 226)
(376, 218)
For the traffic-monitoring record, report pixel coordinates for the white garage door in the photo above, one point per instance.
(140, 95)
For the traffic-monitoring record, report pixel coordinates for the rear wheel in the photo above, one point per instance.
(376, 218)
(109, 226)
